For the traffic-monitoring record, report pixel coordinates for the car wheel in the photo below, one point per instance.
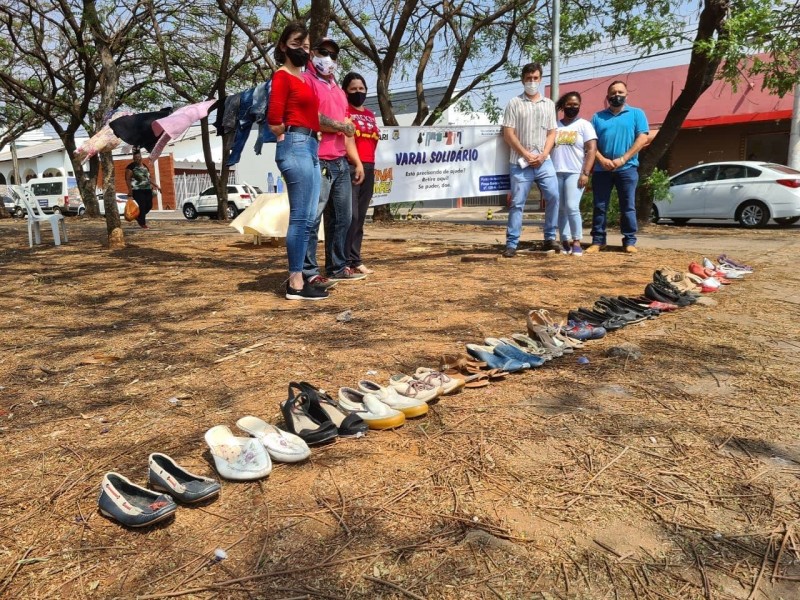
(232, 211)
(56, 210)
(19, 212)
(753, 214)
(786, 221)
(190, 212)
(680, 221)
(81, 211)
(654, 216)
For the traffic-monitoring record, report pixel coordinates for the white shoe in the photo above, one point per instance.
(712, 282)
(237, 458)
(282, 446)
(414, 388)
(372, 411)
(410, 407)
(447, 384)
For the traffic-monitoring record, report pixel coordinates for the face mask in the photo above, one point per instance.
(324, 65)
(571, 111)
(532, 88)
(616, 101)
(297, 56)
(356, 98)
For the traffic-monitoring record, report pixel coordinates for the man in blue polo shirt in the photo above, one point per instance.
(621, 132)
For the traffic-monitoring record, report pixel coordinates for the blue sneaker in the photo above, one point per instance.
(495, 361)
(514, 352)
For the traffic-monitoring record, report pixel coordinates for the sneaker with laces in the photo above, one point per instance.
(348, 274)
(509, 252)
(576, 248)
(321, 282)
(309, 292)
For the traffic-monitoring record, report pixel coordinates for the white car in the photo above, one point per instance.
(750, 192)
(240, 196)
(122, 199)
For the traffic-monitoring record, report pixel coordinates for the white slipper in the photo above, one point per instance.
(237, 458)
(282, 446)
(388, 395)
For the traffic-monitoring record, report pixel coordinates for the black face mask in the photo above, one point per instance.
(571, 111)
(298, 56)
(616, 101)
(356, 98)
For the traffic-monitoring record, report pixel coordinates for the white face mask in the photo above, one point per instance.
(531, 87)
(324, 65)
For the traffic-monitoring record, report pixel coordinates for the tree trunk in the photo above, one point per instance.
(699, 77)
(87, 182)
(320, 18)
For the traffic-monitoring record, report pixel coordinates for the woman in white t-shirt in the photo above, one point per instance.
(573, 158)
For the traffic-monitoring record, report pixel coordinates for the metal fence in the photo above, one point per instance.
(191, 184)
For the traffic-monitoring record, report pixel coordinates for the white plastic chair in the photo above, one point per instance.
(36, 216)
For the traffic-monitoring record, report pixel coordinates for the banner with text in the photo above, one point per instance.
(433, 163)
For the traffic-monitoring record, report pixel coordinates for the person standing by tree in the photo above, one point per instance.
(573, 157)
(529, 129)
(292, 117)
(335, 198)
(365, 140)
(622, 131)
(140, 186)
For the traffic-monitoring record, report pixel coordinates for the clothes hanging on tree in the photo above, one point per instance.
(137, 130)
(102, 141)
(175, 125)
(244, 123)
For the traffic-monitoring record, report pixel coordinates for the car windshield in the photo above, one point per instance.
(257, 189)
(782, 169)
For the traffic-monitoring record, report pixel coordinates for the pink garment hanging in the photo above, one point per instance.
(179, 121)
(159, 147)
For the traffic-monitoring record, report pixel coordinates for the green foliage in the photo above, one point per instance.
(657, 185)
(587, 208)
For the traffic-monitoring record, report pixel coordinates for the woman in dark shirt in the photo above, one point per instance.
(293, 116)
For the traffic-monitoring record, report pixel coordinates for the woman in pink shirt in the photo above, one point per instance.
(366, 140)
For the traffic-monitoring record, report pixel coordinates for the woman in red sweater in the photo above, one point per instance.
(366, 140)
(293, 116)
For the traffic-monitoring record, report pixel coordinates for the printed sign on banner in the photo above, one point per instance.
(433, 163)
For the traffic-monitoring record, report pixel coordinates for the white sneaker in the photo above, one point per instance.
(447, 384)
(410, 407)
(372, 411)
(413, 388)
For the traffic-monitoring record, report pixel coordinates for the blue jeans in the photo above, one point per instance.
(296, 156)
(625, 181)
(569, 207)
(521, 182)
(335, 202)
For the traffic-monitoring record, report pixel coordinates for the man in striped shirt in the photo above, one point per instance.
(529, 129)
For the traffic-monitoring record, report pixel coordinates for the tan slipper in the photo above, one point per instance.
(470, 381)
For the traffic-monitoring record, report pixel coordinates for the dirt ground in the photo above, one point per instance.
(671, 476)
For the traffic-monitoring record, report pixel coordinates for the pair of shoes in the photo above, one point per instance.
(281, 446)
(576, 248)
(440, 382)
(317, 418)
(509, 252)
(496, 361)
(375, 411)
(532, 346)
(362, 268)
(542, 326)
(408, 405)
(322, 282)
(724, 259)
(594, 248)
(136, 506)
(348, 274)
(507, 349)
(631, 249)
(566, 248)
(308, 292)
(237, 458)
(725, 271)
(552, 245)
(583, 330)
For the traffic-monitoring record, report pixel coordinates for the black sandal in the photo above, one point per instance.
(297, 415)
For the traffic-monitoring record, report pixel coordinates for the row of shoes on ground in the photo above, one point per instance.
(316, 417)
(136, 506)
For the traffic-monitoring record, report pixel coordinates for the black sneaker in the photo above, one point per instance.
(347, 274)
(318, 281)
(309, 292)
(509, 253)
(552, 245)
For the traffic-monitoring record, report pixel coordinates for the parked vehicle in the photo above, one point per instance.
(750, 192)
(55, 194)
(10, 204)
(121, 200)
(240, 196)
